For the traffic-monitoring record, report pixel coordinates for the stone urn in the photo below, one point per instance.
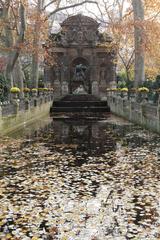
(40, 93)
(143, 94)
(14, 96)
(15, 91)
(124, 94)
(119, 93)
(26, 92)
(34, 92)
(144, 97)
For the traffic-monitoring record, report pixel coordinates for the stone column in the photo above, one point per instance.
(57, 84)
(95, 88)
(94, 78)
(65, 90)
(57, 89)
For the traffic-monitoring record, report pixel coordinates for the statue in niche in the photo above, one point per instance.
(80, 72)
(80, 78)
(80, 90)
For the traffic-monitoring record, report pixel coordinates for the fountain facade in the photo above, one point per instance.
(81, 59)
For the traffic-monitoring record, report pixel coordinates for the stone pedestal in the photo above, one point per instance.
(0, 111)
(95, 88)
(65, 90)
(57, 89)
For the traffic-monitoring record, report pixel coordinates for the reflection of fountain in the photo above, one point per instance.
(87, 135)
(80, 129)
(80, 72)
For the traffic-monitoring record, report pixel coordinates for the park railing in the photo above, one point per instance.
(19, 102)
(140, 107)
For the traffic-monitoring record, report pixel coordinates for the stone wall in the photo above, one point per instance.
(144, 113)
(17, 112)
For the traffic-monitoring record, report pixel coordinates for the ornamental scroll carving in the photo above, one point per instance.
(79, 36)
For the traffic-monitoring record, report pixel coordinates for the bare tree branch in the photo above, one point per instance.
(71, 6)
(47, 5)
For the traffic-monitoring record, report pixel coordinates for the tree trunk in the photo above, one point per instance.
(36, 46)
(139, 67)
(35, 70)
(18, 77)
(14, 53)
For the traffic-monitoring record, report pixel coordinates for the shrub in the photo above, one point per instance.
(124, 89)
(34, 90)
(143, 89)
(45, 89)
(40, 89)
(133, 90)
(26, 90)
(15, 90)
(114, 89)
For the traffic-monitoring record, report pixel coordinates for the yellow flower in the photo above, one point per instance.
(15, 90)
(143, 89)
(35, 238)
(124, 89)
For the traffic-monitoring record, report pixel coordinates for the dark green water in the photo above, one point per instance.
(80, 180)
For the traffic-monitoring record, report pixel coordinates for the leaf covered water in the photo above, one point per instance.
(80, 181)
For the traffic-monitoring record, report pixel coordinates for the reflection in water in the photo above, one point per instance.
(80, 180)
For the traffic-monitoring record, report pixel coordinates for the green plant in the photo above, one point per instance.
(40, 82)
(121, 84)
(40, 89)
(124, 89)
(26, 90)
(132, 90)
(45, 89)
(143, 89)
(15, 90)
(34, 90)
(114, 89)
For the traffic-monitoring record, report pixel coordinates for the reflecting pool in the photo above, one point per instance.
(80, 180)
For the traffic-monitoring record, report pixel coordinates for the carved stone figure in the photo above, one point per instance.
(80, 37)
(80, 72)
(80, 90)
(90, 36)
(82, 62)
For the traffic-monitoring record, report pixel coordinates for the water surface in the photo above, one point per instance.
(80, 180)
